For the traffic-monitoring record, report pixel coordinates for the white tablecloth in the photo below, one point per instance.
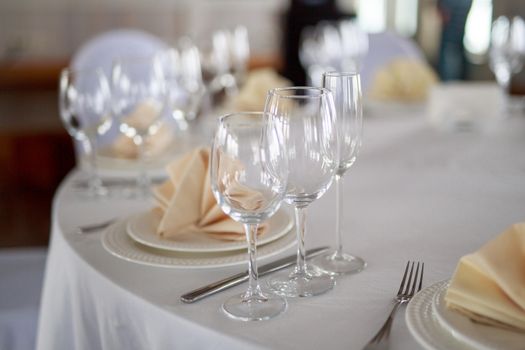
(415, 193)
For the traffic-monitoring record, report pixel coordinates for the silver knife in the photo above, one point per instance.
(239, 278)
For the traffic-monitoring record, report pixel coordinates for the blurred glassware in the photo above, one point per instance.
(240, 53)
(332, 46)
(102, 50)
(225, 60)
(507, 54)
(84, 104)
(139, 101)
(185, 87)
(355, 46)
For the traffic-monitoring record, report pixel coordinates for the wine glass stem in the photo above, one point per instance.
(94, 182)
(338, 216)
(143, 181)
(253, 276)
(300, 220)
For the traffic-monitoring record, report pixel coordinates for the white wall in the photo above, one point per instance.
(49, 29)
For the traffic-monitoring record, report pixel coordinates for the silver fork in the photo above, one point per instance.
(406, 291)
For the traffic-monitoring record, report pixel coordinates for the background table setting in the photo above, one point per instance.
(174, 190)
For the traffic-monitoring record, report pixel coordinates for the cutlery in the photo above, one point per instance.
(239, 278)
(118, 182)
(95, 227)
(404, 294)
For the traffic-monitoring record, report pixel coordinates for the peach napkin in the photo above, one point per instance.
(403, 80)
(187, 205)
(142, 117)
(489, 285)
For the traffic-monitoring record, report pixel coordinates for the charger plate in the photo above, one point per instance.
(118, 243)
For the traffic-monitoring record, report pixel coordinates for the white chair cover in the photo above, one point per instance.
(102, 50)
(383, 48)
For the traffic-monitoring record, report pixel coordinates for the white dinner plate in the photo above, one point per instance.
(118, 243)
(142, 226)
(475, 334)
(437, 328)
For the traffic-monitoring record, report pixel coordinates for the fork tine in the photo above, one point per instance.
(409, 282)
(421, 277)
(414, 285)
(403, 280)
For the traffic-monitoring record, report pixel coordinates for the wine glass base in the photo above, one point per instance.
(334, 264)
(255, 308)
(296, 285)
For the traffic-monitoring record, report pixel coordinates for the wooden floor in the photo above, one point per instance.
(35, 155)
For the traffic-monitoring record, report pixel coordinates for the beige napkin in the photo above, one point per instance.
(489, 285)
(252, 96)
(187, 205)
(142, 117)
(403, 80)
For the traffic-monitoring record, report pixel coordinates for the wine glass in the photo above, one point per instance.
(183, 74)
(248, 180)
(84, 104)
(310, 139)
(138, 104)
(507, 54)
(346, 89)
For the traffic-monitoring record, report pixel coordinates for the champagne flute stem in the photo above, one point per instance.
(338, 213)
(253, 276)
(143, 181)
(300, 220)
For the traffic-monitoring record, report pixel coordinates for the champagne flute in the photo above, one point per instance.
(310, 139)
(248, 179)
(139, 103)
(84, 104)
(346, 88)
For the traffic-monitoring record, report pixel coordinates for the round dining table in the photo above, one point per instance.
(419, 191)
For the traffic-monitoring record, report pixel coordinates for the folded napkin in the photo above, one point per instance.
(186, 203)
(142, 117)
(403, 80)
(489, 285)
(252, 96)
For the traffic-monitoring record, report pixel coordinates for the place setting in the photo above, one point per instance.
(186, 227)
(482, 305)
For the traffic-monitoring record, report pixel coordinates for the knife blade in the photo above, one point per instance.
(228, 282)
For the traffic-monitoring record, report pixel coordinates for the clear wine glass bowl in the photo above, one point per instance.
(139, 103)
(84, 104)
(248, 176)
(307, 119)
(346, 89)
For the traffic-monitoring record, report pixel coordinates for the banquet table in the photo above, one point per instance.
(416, 192)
